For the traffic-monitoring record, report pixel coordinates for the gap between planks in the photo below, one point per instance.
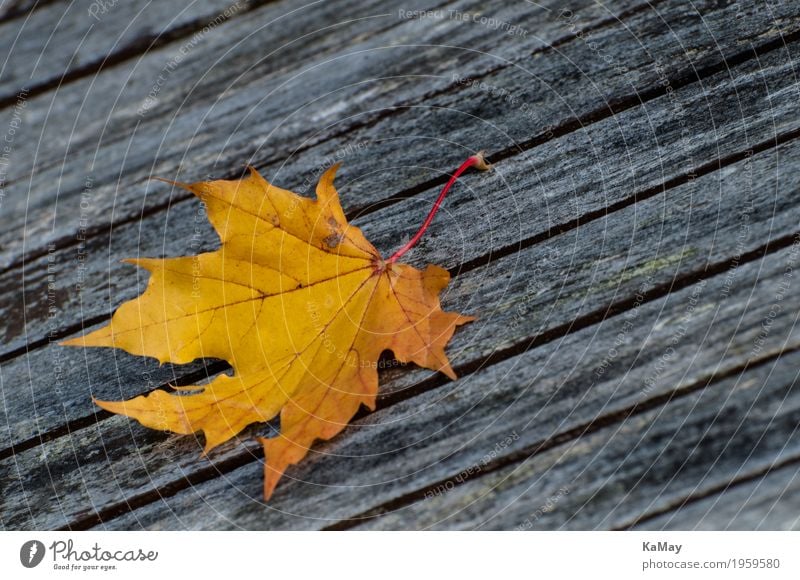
(712, 491)
(22, 8)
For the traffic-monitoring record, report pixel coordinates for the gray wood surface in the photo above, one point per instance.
(646, 460)
(11, 9)
(623, 258)
(67, 39)
(768, 502)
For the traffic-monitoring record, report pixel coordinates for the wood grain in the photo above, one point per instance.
(766, 502)
(712, 436)
(64, 38)
(251, 109)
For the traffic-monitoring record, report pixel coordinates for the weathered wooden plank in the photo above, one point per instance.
(266, 90)
(64, 38)
(543, 396)
(48, 393)
(763, 503)
(577, 174)
(10, 9)
(557, 92)
(604, 479)
(574, 277)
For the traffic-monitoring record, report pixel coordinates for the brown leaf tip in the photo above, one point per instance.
(480, 162)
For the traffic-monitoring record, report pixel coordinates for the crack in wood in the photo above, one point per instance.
(20, 8)
(711, 491)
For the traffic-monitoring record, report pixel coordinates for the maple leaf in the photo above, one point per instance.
(297, 301)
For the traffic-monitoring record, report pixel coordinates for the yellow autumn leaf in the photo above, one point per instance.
(297, 301)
